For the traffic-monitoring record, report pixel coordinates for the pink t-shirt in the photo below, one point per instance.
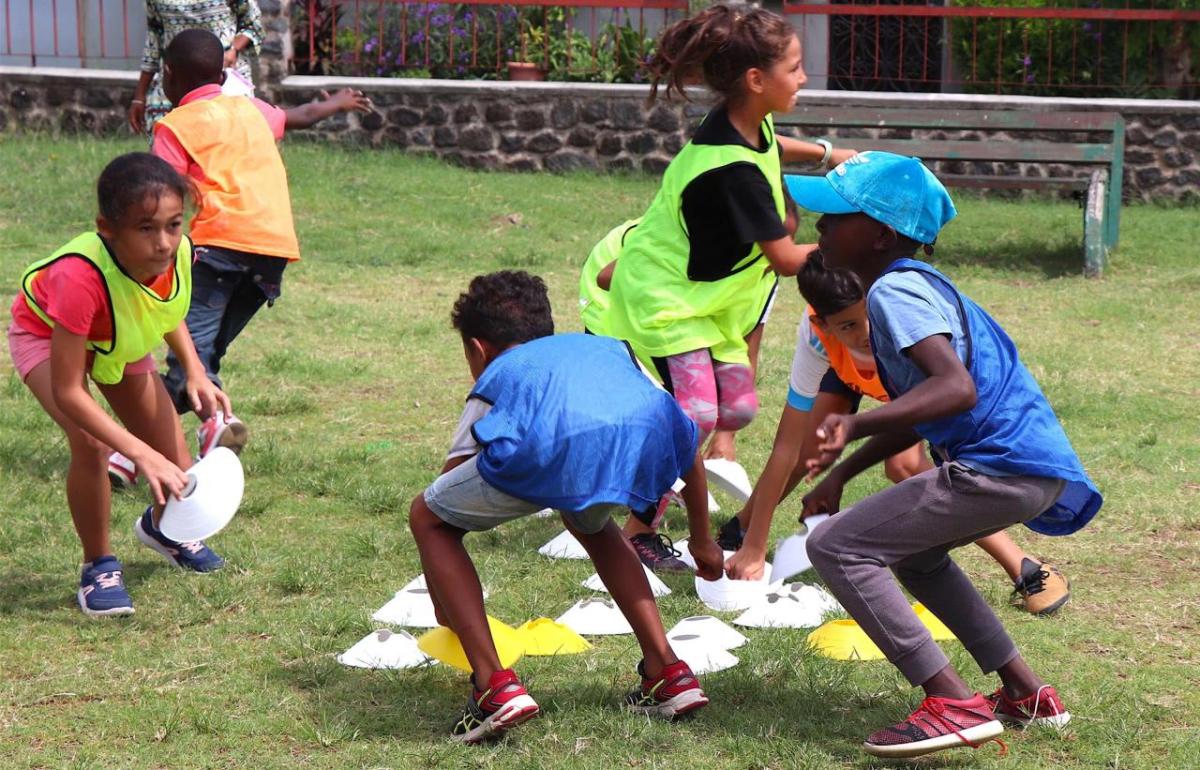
(167, 147)
(71, 292)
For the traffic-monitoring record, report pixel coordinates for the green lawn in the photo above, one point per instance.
(352, 385)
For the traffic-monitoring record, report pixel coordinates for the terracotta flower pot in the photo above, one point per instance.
(525, 70)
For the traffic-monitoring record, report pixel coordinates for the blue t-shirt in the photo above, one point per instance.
(903, 309)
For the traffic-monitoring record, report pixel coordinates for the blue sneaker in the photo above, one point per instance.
(101, 589)
(194, 555)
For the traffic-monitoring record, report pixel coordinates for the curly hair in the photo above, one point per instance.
(504, 308)
(131, 178)
(718, 46)
(828, 290)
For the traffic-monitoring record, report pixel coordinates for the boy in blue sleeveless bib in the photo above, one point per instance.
(568, 422)
(955, 380)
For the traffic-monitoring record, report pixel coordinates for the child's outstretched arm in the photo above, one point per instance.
(68, 383)
(785, 256)
(708, 555)
(800, 151)
(749, 562)
(345, 100)
(205, 397)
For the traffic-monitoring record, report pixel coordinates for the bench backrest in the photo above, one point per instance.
(814, 120)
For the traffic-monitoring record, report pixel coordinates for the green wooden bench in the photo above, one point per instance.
(1027, 143)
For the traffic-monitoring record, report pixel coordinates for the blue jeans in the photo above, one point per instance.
(228, 288)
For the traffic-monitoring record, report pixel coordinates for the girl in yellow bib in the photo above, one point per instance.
(696, 275)
(96, 308)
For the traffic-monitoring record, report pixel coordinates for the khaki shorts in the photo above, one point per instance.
(461, 498)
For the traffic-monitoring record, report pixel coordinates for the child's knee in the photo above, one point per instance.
(421, 520)
(87, 450)
(822, 546)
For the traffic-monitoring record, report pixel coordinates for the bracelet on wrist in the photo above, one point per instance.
(137, 101)
(828, 154)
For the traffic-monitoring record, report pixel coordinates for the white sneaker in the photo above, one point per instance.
(122, 473)
(215, 432)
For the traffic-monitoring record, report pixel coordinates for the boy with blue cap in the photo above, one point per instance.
(955, 380)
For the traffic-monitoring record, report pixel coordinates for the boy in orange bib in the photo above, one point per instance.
(243, 229)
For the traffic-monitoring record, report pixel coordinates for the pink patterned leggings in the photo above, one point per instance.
(714, 394)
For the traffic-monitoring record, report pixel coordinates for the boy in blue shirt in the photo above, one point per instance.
(568, 422)
(955, 380)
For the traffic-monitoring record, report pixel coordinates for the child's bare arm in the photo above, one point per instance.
(68, 383)
(345, 100)
(800, 151)
(205, 397)
(708, 555)
(786, 256)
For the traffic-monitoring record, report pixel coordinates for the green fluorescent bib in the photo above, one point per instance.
(654, 305)
(593, 300)
(140, 318)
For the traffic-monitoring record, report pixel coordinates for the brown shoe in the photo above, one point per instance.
(1042, 589)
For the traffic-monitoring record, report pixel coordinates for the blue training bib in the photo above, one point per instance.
(574, 423)
(1012, 428)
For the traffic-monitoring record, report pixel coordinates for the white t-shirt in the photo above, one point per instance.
(464, 443)
(809, 365)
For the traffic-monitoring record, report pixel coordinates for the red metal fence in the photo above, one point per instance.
(72, 33)
(1136, 48)
(606, 40)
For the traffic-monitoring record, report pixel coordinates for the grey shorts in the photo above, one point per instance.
(461, 498)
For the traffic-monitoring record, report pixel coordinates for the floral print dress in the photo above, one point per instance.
(166, 18)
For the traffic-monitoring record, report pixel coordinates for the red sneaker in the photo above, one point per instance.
(1044, 707)
(938, 723)
(490, 712)
(675, 692)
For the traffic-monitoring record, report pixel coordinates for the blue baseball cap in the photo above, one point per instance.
(893, 189)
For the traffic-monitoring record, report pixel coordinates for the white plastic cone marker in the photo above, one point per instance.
(791, 555)
(236, 84)
(595, 617)
(545, 513)
(702, 655)
(712, 504)
(213, 494)
(727, 595)
(411, 606)
(657, 587)
(793, 605)
(712, 630)
(730, 477)
(385, 649)
(685, 555)
(565, 546)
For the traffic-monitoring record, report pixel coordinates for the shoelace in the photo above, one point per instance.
(193, 547)
(936, 708)
(1037, 701)
(109, 579)
(659, 545)
(1034, 583)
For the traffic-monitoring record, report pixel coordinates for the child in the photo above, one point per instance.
(544, 410)
(243, 230)
(832, 369)
(955, 380)
(698, 273)
(96, 308)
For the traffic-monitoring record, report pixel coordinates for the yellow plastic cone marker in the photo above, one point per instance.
(937, 629)
(543, 636)
(844, 640)
(442, 644)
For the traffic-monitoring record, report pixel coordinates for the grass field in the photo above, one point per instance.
(352, 385)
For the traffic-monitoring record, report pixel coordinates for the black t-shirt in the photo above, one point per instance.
(728, 209)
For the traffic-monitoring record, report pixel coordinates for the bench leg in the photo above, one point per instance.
(1095, 211)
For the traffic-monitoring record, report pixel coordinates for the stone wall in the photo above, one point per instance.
(569, 126)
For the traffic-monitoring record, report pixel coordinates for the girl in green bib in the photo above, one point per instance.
(697, 274)
(96, 308)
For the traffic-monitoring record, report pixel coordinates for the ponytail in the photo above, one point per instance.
(717, 47)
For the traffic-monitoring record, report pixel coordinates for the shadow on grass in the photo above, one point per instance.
(1035, 254)
(756, 718)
